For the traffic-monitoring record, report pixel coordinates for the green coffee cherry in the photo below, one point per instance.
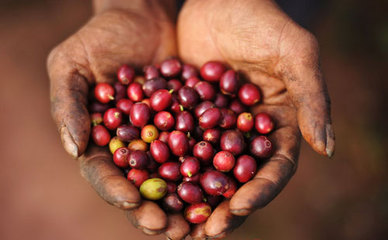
(153, 189)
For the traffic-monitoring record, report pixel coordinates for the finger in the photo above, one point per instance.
(68, 90)
(177, 228)
(222, 221)
(109, 182)
(198, 232)
(308, 91)
(274, 174)
(148, 217)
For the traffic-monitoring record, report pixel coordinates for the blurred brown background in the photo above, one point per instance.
(42, 195)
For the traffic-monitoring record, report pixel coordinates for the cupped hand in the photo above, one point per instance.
(92, 55)
(257, 39)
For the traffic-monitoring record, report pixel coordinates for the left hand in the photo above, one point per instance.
(92, 55)
(256, 38)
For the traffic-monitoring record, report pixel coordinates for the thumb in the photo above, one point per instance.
(308, 92)
(68, 95)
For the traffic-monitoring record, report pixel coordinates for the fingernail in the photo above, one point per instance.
(319, 140)
(168, 238)
(129, 205)
(150, 232)
(68, 142)
(240, 212)
(220, 235)
(132, 218)
(330, 142)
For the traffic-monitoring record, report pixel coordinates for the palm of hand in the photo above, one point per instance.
(114, 38)
(244, 39)
(94, 54)
(270, 50)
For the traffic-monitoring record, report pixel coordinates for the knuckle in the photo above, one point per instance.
(283, 167)
(303, 51)
(59, 57)
(52, 56)
(306, 49)
(311, 48)
(311, 41)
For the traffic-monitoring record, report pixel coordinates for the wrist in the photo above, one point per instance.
(160, 8)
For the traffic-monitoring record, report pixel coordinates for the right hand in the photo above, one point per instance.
(256, 38)
(92, 55)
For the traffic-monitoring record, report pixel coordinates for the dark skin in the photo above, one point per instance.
(139, 34)
(287, 72)
(253, 37)
(257, 39)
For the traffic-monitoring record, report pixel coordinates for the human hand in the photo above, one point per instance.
(257, 39)
(141, 35)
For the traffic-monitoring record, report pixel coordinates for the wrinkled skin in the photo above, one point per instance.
(254, 37)
(93, 54)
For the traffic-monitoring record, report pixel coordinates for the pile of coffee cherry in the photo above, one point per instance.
(185, 138)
